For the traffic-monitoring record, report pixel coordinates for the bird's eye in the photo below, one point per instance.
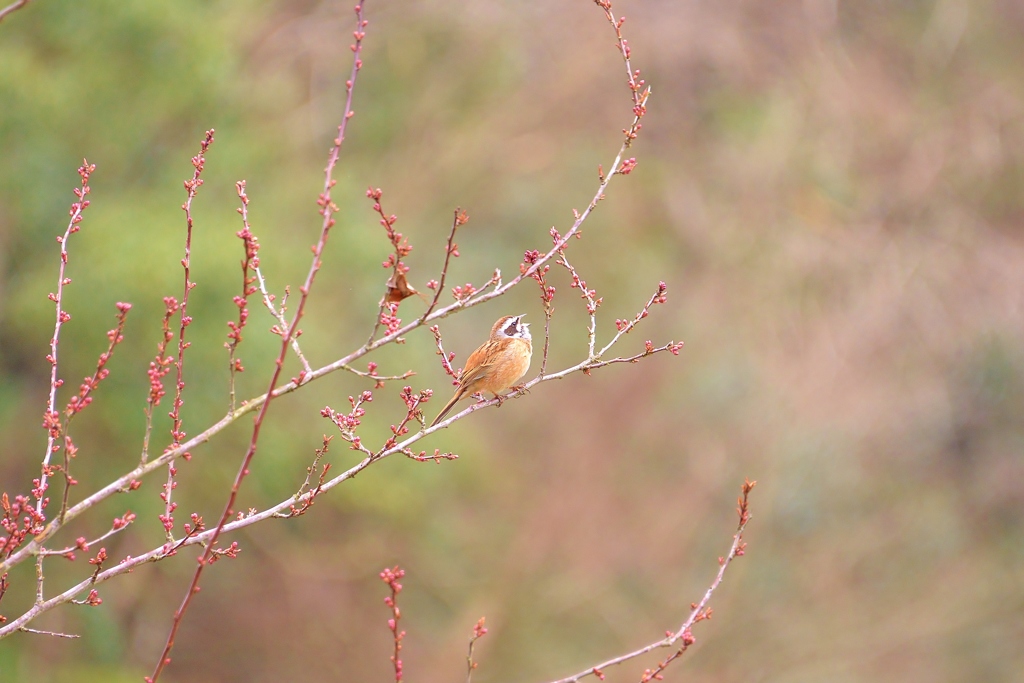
(511, 329)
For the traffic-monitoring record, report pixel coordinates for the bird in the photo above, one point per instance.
(497, 364)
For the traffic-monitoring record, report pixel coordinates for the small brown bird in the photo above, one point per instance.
(497, 364)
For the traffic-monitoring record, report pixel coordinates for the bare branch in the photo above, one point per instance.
(308, 502)
(55, 634)
(450, 249)
(51, 419)
(391, 577)
(14, 6)
(177, 433)
(251, 261)
(158, 369)
(79, 402)
(683, 637)
(479, 631)
(120, 523)
(593, 301)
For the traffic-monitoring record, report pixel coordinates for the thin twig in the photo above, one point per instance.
(379, 378)
(251, 261)
(84, 397)
(450, 249)
(479, 631)
(398, 269)
(683, 637)
(39, 579)
(177, 433)
(120, 524)
(446, 358)
(593, 301)
(51, 417)
(55, 634)
(547, 296)
(12, 7)
(158, 369)
(391, 577)
(282, 323)
(308, 503)
(625, 327)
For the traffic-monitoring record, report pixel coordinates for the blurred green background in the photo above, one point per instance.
(833, 191)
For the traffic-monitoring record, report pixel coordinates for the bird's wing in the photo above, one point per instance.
(474, 374)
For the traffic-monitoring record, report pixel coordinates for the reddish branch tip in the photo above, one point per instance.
(391, 577)
(742, 503)
(100, 558)
(479, 631)
(249, 265)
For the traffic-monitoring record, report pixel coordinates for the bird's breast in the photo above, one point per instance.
(513, 362)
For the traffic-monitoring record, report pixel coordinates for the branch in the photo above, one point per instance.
(251, 261)
(282, 322)
(593, 301)
(51, 419)
(547, 296)
(314, 492)
(158, 369)
(14, 6)
(397, 287)
(479, 631)
(82, 400)
(391, 577)
(119, 524)
(177, 433)
(268, 298)
(683, 637)
(55, 634)
(450, 249)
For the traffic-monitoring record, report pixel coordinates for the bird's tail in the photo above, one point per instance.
(448, 406)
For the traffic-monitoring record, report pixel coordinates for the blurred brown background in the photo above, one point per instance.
(833, 191)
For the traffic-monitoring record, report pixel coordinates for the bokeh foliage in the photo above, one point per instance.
(834, 193)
